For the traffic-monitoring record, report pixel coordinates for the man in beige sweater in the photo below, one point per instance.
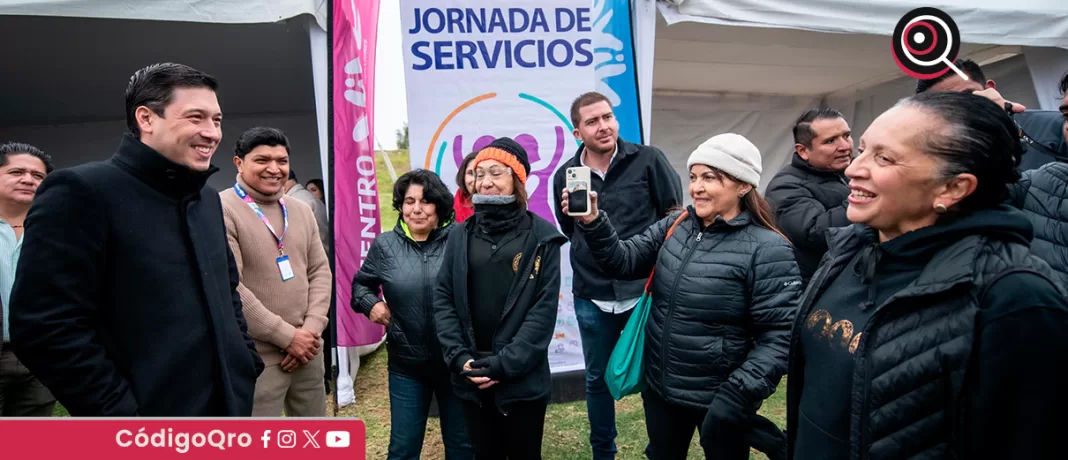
(285, 277)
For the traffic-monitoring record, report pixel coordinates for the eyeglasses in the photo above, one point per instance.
(495, 172)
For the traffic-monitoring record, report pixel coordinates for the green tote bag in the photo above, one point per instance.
(625, 373)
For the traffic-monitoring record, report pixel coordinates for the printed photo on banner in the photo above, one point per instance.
(478, 70)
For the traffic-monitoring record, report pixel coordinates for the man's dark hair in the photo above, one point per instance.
(317, 182)
(153, 87)
(1064, 84)
(589, 98)
(434, 192)
(293, 176)
(968, 66)
(260, 135)
(975, 136)
(803, 133)
(18, 148)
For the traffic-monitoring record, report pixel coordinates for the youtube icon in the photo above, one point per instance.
(337, 439)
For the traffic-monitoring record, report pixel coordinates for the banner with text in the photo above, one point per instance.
(356, 214)
(480, 69)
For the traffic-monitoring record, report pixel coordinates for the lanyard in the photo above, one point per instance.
(255, 207)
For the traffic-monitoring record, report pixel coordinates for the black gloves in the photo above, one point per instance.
(485, 367)
(730, 420)
(726, 415)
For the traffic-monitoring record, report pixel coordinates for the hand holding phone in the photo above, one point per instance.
(577, 192)
(577, 199)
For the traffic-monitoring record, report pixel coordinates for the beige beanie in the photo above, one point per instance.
(732, 154)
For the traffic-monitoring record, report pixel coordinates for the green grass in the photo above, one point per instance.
(60, 411)
(399, 158)
(566, 427)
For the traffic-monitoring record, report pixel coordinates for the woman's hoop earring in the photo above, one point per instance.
(940, 208)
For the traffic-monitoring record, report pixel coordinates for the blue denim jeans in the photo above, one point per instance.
(600, 332)
(409, 405)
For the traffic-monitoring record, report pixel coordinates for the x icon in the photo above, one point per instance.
(311, 439)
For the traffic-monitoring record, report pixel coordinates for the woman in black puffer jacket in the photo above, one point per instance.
(930, 331)
(495, 308)
(724, 296)
(404, 264)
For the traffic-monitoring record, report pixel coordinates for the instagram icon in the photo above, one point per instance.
(287, 439)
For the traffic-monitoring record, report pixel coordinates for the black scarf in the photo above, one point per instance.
(496, 214)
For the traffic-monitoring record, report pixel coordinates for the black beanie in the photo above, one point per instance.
(513, 148)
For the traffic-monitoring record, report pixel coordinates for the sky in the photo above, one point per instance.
(391, 108)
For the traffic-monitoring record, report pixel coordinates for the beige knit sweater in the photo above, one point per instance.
(274, 308)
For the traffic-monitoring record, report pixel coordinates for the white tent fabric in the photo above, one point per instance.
(1047, 66)
(221, 11)
(681, 123)
(643, 14)
(998, 22)
(320, 50)
(753, 66)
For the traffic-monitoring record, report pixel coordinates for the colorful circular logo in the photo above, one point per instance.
(537, 125)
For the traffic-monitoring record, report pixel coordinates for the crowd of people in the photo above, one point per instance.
(913, 285)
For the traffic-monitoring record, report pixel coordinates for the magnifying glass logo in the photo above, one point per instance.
(925, 44)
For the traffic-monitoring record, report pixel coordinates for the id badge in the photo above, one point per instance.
(285, 268)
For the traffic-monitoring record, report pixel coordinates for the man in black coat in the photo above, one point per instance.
(1042, 195)
(809, 194)
(125, 302)
(638, 187)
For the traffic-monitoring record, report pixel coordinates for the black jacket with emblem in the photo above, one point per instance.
(406, 272)
(942, 370)
(520, 355)
(724, 298)
(808, 201)
(126, 298)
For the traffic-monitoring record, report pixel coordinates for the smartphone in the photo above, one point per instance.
(578, 191)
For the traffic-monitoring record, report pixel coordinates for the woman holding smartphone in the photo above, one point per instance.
(724, 293)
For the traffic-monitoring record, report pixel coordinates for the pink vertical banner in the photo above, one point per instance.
(356, 214)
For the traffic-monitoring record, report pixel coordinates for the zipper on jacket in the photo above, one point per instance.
(428, 301)
(513, 295)
(513, 298)
(427, 293)
(859, 449)
(469, 328)
(671, 309)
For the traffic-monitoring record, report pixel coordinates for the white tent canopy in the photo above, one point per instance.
(68, 63)
(753, 66)
(219, 12)
(1019, 22)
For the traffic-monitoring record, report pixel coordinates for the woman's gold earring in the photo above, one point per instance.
(940, 208)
